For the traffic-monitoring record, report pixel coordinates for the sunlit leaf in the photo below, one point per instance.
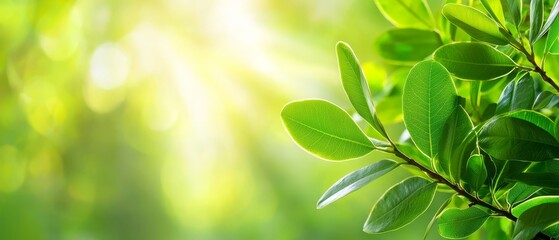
(475, 23)
(414, 153)
(355, 180)
(536, 19)
(495, 10)
(325, 130)
(406, 13)
(429, 99)
(553, 34)
(535, 220)
(536, 118)
(476, 173)
(512, 9)
(407, 44)
(509, 138)
(475, 61)
(521, 208)
(400, 205)
(436, 216)
(460, 223)
(517, 95)
(356, 86)
(549, 22)
(543, 99)
(521, 192)
(455, 132)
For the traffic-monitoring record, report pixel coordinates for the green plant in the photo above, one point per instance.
(480, 112)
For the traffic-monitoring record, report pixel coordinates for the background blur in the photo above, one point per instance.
(159, 119)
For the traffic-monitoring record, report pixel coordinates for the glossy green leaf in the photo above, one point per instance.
(540, 179)
(542, 100)
(520, 192)
(475, 61)
(535, 220)
(429, 98)
(407, 44)
(536, 118)
(536, 19)
(475, 23)
(509, 138)
(460, 223)
(406, 13)
(414, 153)
(455, 131)
(400, 205)
(553, 34)
(498, 228)
(476, 173)
(517, 95)
(512, 9)
(356, 180)
(436, 216)
(495, 10)
(550, 21)
(356, 86)
(523, 207)
(325, 130)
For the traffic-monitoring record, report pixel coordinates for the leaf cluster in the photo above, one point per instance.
(469, 82)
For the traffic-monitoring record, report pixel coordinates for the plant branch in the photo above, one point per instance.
(537, 68)
(461, 191)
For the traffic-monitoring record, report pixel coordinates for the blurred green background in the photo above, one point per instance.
(159, 119)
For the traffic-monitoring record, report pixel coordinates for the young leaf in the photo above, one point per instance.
(517, 95)
(355, 180)
(455, 131)
(475, 23)
(536, 19)
(400, 205)
(520, 192)
(495, 10)
(536, 118)
(429, 98)
(548, 180)
(356, 86)
(476, 173)
(475, 61)
(521, 208)
(550, 20)
(535, 220)
(406, 13)
(508, 138)
(325, 130)
(460, 223)
(407, 44)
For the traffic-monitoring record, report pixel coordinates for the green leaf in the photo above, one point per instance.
(517, 95)
(356, 180)
(536, 118)
(512, 9)
(460, 223)
(407, 44)
(437, 214)
(400, 205)
(476, 173)
(550, 21)
(553, 33)
(508, 138)
(429, 98)
(455, 132)
(475, 61)
(520, 192)
(498, 228)
(406, 13)
(325, 130)
(542, 100)
(356, 86)
(540, 179)
(523, 207)
(535, 220)
(536, 19)
(475, 23)
(414, 153)
(495, 10)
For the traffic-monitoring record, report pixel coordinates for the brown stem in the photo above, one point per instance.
(459, 190)
(537, 68)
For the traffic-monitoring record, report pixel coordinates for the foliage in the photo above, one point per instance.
(480, 109)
